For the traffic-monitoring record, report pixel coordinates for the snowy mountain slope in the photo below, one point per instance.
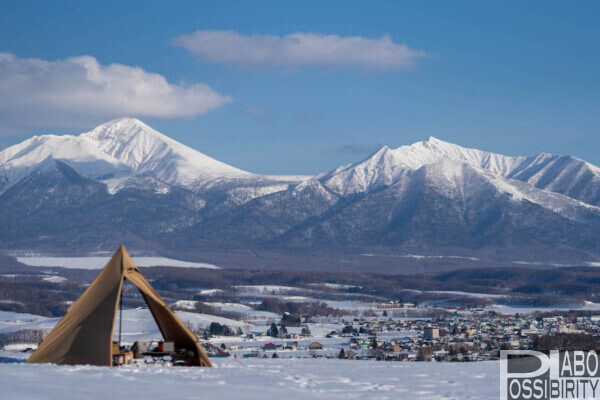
(146, 151)
(126, 153)
(233, 192)
(125, 182)
(55, 207)
(380, 169)
(265, 218)
(561, 174)
(387, 166)
(116, 149)
(449, 205)
(443, 204)
(80, 153)
(495, 163)
(458, 180)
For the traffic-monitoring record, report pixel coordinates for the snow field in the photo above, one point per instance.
(251, 379)
(94, 262)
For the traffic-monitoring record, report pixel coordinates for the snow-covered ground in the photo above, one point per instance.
(245, 312)
(468, 294)
(248, 312)
(210, 292)
(54, 279)
(509, 310)
(47, 278)
(273, 289)
(138, 324)
(185, 304)
(95, 262)
(256, 379)
(12, 322)
(420, 256)
(336, 286)
(293, 378)
(7, 317)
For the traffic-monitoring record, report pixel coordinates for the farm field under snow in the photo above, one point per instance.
(256, 379)
(138, 324)
(509, 310)
(95, 262)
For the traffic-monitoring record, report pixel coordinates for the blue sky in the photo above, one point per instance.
(510, 77)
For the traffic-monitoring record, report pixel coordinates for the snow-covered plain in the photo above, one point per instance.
(256, 379)
(509, 310)
(95, 262)
(267, 289)
(248, 312)
(138, 324)
(12, 322)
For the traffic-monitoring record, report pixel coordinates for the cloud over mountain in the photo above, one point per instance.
(79, 90)
(300, 50)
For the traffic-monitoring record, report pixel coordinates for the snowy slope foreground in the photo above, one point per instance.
(124, 182)
(251, 379)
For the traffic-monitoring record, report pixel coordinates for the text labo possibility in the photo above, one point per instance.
(528, 374)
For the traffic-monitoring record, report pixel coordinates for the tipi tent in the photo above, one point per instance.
(85, 334)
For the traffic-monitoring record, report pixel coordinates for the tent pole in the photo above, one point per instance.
(120, 316)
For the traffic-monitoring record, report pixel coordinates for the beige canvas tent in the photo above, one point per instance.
(85, 334)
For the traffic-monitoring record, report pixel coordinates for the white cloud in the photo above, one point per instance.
(79, 90)
(300, 49)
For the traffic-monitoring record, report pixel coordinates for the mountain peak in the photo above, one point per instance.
(123, 128)
(146, 150)
(432, 139)
(380, 153)
(124, 121)
(387, 166)
(434, 143)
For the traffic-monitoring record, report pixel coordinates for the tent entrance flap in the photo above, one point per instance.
(85, 334)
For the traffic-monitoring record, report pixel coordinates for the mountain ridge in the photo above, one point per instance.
(430, 196)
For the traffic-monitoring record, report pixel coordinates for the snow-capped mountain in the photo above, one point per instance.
(81, 153)
(562, 174)
(117, 149)
(125, 182)
(126, 153)
(389, 165)
(146, 151)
